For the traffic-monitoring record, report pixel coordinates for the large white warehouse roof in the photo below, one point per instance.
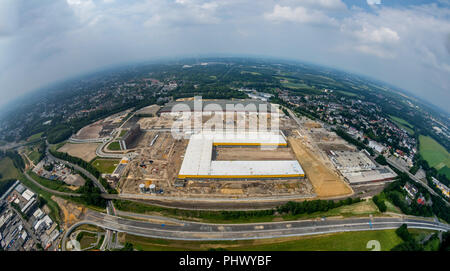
(198, 162)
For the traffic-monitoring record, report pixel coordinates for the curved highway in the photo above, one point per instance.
(187, 230)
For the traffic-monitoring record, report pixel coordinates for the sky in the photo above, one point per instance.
(405, 42)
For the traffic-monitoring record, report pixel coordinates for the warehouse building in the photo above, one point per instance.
(198, 163)
(358, 168)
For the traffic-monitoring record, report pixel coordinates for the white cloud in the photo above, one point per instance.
(8, 17)
(327, 4)
(298, 14)
(373, 2)
(49, 40)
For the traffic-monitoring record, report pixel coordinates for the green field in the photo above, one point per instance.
(123, 132)
(34, 156)
(8, 170)
(87, 239)
(345, 241)
(403, 124)
(252, 73)
(35, 137)
(105, 165)
(114, 146)
(435, 154)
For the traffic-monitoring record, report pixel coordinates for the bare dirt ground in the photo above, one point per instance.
(72, 213)
(326, 182)
(75, 180)
(152, 109)
(85, 151)
(156, 122)
(326, 147)
(158, 164)
(90, 131)
(253, 154)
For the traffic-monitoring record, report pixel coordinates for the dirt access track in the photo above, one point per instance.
(326, 183)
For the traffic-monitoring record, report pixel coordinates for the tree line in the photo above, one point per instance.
(312, 206)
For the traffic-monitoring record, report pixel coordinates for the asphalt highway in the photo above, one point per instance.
(187, 230)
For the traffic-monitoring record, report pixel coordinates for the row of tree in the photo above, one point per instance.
(295, 208)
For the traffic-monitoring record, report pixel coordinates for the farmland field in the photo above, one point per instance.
(434, 153)
(403, 124)
(8, 170)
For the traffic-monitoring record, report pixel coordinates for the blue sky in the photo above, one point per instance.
(405, 43)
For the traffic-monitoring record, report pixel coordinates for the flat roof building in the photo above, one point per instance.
(198, 163)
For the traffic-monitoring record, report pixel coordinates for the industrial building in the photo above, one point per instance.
(198, 163)
(129, 138)
(358, 168)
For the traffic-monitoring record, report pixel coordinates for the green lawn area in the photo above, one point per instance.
(123, 132)
(105, 165)
(392, 208)
(403, 124)
(8, 170)
(34, 156)
(55, 147)
(86, 239)
(345, 241)
(114, 146)
(434, 153)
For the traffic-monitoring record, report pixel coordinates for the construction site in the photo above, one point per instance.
(242, 153)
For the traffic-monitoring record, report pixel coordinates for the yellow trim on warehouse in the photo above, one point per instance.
(249, 144)
(240, 176)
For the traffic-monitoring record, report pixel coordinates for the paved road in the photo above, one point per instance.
(186, 230)
(55, 192)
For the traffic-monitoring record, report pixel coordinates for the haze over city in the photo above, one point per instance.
(405, 43)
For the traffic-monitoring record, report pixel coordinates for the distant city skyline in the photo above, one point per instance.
(403, 43)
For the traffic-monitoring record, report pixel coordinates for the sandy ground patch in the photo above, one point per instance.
(326, 182)
(85, 151)
(90, 131)
(71, 212)
(75, 180)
